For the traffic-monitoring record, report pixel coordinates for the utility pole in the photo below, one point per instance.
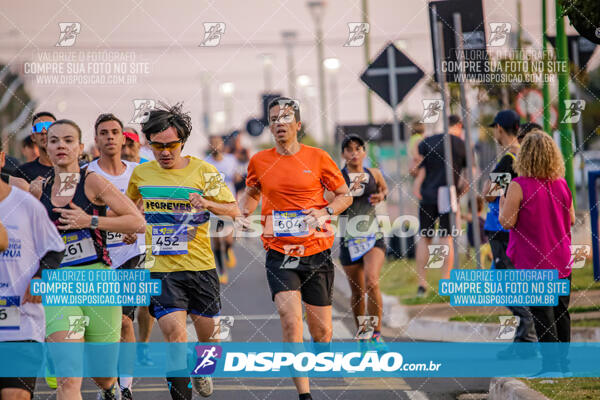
(317, 9)
(566, 135)
(546, 59)
(289, 39)
(367, 53)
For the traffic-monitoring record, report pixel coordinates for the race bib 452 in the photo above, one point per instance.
(169, 240)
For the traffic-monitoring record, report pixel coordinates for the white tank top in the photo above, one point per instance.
(119, 251)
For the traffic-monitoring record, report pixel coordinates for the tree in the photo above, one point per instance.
(584, 16)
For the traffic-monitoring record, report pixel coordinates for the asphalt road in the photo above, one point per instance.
(247, 299)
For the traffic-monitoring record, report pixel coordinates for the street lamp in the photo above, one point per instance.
(205, 79)
(317, 9)
(267, 61)
(289, 40)
(303, 81)
(333, 66)
(218, 122)
(227, 89)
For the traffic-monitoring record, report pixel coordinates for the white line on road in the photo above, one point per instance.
(416, 395)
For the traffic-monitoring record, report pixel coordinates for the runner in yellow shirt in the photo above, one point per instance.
(178, 194)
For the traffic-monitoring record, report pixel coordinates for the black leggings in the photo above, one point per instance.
(553, 324)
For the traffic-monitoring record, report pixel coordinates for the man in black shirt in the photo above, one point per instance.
(41, 167)
(10, 166)
(430, 178)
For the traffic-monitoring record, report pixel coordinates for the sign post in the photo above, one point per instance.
(566, 135)
(392, 75)
(437, 50)
(469, 154)
(579, 149)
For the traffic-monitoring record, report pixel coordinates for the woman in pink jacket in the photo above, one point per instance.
(538, 210)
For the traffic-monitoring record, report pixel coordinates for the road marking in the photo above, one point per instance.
(379, 383)
(416, 395)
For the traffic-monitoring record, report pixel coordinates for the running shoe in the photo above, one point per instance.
(203, 385)
(223, 279)
(515, 352)
(126, 394)
(230, 260)
(378, 344)
(551, 374)
(143, 356)
(363, 346)
(109, 394)
(51, 381)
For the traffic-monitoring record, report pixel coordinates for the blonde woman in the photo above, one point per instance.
(539, 212)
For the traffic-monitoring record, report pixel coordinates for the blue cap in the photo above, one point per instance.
(507, 119)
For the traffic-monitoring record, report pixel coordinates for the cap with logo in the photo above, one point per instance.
(507, 119)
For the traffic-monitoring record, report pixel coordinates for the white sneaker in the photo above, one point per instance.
(203, 385)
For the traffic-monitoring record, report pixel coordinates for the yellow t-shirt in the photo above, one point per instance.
(176, 233)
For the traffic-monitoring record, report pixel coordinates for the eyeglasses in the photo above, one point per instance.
(283, 118)
(41, 126)
(165, 146)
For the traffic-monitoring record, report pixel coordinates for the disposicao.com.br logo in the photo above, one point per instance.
(350, 362)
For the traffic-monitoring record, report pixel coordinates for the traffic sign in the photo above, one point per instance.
(529, 102)
(586, 48)
(530, 106)
(392, 75)
(474, 40)
(266, 99)
(392, 64)
(255, 127)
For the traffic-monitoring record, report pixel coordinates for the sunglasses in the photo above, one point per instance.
(286, 112)
(41, 126)
(165, 146)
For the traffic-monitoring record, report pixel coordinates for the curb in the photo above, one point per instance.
(395, 315)
(512, 389)
(453, 331)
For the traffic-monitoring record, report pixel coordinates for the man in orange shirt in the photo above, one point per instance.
(292, 178)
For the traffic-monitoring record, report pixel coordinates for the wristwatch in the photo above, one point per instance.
(94, 224)
(329, 210)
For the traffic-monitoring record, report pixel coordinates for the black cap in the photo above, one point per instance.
(507, 119)
(352, 138)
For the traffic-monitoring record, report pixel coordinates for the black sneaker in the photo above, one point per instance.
(421, 291)
(126, 394)
(109, 394)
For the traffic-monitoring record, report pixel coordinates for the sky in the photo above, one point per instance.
(157, 44)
